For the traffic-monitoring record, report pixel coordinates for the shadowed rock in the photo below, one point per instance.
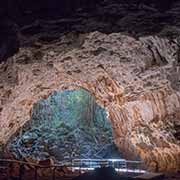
(9, 42)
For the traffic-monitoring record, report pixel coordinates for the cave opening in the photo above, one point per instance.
(67, 125)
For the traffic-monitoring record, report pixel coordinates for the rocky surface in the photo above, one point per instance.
(132, 73)
(68, 125)
(124, 76)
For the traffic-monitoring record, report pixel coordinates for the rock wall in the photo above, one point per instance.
(145, 127)
(134, 17)
(124, 75)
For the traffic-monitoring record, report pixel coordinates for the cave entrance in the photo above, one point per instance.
(67, 125)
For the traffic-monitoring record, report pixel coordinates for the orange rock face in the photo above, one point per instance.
(136, 88)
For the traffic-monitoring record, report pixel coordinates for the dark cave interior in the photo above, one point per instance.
(22, 19)
(68, 125)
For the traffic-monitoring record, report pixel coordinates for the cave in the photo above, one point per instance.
(67, 125)
(91, 79)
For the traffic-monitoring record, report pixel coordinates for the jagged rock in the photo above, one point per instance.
(142, 116)
(62, 131)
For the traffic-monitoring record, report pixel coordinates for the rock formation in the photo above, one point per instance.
(68, 125)
(124, 75)
(135, 77)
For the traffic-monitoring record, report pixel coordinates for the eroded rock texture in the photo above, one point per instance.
(68, 125)
(132, 72)
(137, 81)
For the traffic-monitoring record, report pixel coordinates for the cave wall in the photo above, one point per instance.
(19, 10)
(137, 17)
(16, 9)
(121, 73)
(68, 125)
(143, 126)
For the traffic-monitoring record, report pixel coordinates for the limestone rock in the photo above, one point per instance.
(143, 106)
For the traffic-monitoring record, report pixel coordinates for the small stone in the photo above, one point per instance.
(51, 53)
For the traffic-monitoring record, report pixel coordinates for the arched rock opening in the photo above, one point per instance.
(66, 125)
(139, 121)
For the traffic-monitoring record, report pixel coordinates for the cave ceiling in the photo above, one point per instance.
(126, 54)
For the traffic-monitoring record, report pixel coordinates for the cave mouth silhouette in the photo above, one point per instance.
(67, 125)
